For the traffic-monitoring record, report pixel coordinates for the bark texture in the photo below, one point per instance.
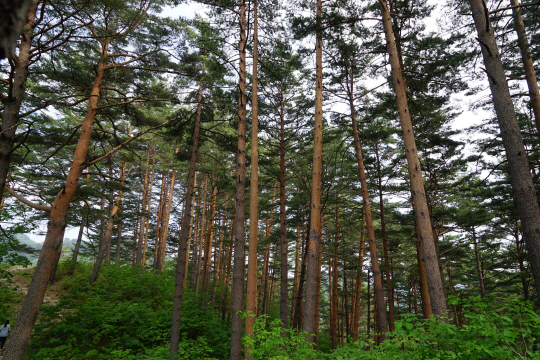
(239, 230)
(314, 235)
(520, 174)
(419, 200)
(55, 229)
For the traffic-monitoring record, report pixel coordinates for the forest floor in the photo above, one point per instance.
(22, 276)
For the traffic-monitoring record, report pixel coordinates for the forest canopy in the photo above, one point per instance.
(271, 180)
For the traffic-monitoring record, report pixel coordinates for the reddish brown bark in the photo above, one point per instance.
(314, 234)
(421, 210)
(359, 283)
(55, 230)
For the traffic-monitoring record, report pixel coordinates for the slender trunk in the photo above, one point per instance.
(12, 102)
(209, 240)
(251, 293)
(389, 290)
(201, 238)
(147, 225)
(452, 289)
(55, 229)
(195, 251)
(184, 235)
(298, 312)
(359, 283)
(314, 235)
(165, 227)
(240, 231)
(318, 300)
(103, 246)
(528, 66)
(78, 244)
(377, 282)
(144, 211)
(296, 266)
(478, 264)
(521, 261)
(191, 231)
(368, 306)
(229, 263)
(435, 285)
(118, 236)
(334, 298)
(111, 205)
(520, 174)
(264, 280)
(346, 299)
(217, 267)
(159, 222)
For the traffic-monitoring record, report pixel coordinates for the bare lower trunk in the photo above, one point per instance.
(239, 230)
(144, 210)
(520, 174)
(359, 283)
(314, 235)
(55, 230)
(422, 278)
(421, 210)
(184, 235)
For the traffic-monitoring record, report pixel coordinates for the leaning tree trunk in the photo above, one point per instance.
(520, 174)
(17, 88)
(377, 281)
(530, 75)
(314, 235)
(184, 235)
(240, 231)
(251, 293)
(55, 229)
(419, 200)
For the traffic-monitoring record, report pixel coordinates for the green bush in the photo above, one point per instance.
(510, 332)
(124, 315)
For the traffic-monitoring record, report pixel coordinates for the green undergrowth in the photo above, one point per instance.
(510, 331)
(124, 315)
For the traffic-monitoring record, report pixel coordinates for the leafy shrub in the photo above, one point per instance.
(276, 343)
(125, 314)
(511, 332)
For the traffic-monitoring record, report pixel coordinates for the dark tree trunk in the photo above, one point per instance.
(520, 174)
(239, 231)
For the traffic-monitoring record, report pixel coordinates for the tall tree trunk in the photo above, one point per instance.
(108, 233)
(521, 261)
(240, 231)
(283, 218)
(191, 231)
(111, 205)
(144, 211)
(195, 251)
(165, 227)
(359, 283)
(17, 88)
(201, 238)
(299, 311)
(377, 282)
(528, 66)
(184, 235)
(78, 244)
(520, 174)
(225, 301)
(160, 219)
(389, 290)
(264, 279)
(435, 285)
(217, 266)
(118, 236)
(251, 293)
(147, 225)
(55, 230)
(296, 265)
(209, 240)
(334, 298)
(478, 264)
(314, 235)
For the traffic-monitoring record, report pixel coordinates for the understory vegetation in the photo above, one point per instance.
(126, 315)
